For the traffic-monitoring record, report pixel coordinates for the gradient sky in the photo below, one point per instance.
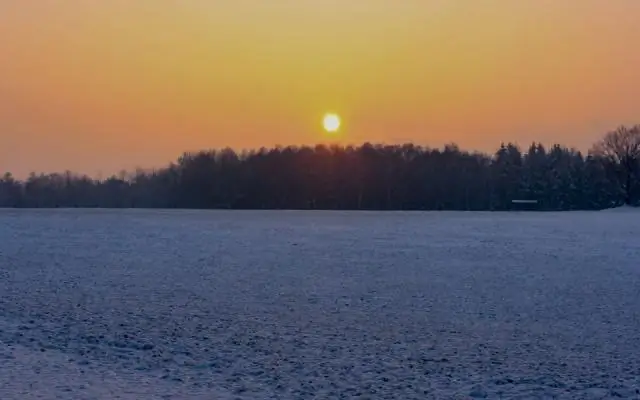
(97, 86)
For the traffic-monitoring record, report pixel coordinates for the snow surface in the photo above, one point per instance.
(625, 208)
(294, 305)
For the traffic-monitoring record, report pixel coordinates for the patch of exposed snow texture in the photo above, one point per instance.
(625, 208)
(296, 305)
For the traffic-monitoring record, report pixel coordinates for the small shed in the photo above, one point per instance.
(524, 205)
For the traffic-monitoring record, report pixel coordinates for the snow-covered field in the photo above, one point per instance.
(296, 305)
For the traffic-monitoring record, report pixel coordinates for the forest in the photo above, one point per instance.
(366, 177)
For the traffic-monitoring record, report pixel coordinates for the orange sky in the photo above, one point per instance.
(96, 86)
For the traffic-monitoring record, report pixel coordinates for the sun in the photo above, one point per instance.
(331, 122)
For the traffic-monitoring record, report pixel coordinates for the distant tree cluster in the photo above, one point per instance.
(368, 177)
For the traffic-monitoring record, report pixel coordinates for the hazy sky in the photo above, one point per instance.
(95, 85)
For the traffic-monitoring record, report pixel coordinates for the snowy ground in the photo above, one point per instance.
(295, 305)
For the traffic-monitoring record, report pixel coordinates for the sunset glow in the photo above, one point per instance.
(97, 86)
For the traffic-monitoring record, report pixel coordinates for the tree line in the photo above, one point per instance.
(366, 177)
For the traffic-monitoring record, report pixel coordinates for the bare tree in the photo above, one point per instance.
(621, 149)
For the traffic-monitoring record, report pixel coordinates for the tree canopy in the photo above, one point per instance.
(366, 177)
(621, 151)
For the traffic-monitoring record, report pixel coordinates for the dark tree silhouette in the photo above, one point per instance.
(621, 151)
(367, 177)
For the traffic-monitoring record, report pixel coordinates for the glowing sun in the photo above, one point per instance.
(331, 122)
